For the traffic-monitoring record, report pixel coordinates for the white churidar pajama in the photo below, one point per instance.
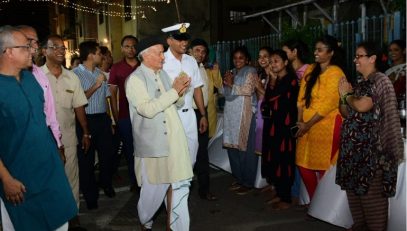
(152, 196)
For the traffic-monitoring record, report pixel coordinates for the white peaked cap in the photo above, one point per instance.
(176, 27)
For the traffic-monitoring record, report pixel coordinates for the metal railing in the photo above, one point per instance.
(382, 29)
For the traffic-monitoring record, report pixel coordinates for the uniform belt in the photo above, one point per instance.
(185, 110)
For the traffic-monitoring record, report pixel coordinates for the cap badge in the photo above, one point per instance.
(183, 28)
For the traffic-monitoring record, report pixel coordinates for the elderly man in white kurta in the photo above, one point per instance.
(178, 63)
(162, 161)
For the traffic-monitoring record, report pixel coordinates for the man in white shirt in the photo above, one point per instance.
(177, 63)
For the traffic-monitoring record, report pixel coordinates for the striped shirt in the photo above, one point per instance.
(97, 101)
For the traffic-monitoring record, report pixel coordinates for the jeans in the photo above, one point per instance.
(244, 163)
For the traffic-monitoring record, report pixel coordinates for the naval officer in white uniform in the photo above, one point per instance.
(178, 63)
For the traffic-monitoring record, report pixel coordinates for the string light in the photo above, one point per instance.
(112, 13)
(167, 1)
(129, 6)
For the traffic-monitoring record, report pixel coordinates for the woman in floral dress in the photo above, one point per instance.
(371, 143)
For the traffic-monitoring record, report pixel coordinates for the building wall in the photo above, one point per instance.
(116, 35)
(114, 28)
(222, 27)
(86, 27)
(103, 31)
(130, 25)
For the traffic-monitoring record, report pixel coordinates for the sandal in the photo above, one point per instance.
(281, 205)
(209, 197)
(273, 201)
(267, 188)
(234, 186)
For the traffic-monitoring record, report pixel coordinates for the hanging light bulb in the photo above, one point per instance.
(87, 9)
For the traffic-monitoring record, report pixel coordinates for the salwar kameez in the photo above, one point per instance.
(280, 114)
(239, 125)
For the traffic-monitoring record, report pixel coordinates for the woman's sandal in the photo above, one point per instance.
(209, 197)
(281, 205)
(273, 200)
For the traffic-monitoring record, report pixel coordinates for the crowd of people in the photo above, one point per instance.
(159, 102)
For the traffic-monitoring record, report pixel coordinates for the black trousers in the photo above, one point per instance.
(102, 141)
(202, 160)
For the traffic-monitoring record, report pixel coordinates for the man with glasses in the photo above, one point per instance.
(36, 194)
(96, 90)
(118, 75)
(49, 106)
(70, 102)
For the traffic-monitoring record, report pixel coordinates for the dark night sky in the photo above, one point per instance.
(27, 13)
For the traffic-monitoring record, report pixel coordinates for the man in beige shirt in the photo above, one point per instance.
(70, 100)
(162, 162)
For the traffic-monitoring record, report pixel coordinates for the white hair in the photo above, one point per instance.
(140, 54)
(6, 37)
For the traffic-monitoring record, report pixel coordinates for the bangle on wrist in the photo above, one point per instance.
(204, 115)
(343, 98)
(87, 136)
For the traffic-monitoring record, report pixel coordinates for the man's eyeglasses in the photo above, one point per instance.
(55, 48)
(28, 47)
(361, 56)
(129, 47)
(33, 41)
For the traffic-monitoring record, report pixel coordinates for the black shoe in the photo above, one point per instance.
(134, 188)
(92, 205)
(109, 192)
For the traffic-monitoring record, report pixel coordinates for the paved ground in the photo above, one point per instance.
(230, 213)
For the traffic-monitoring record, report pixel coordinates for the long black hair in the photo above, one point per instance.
(337, 59)
(302, 48)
